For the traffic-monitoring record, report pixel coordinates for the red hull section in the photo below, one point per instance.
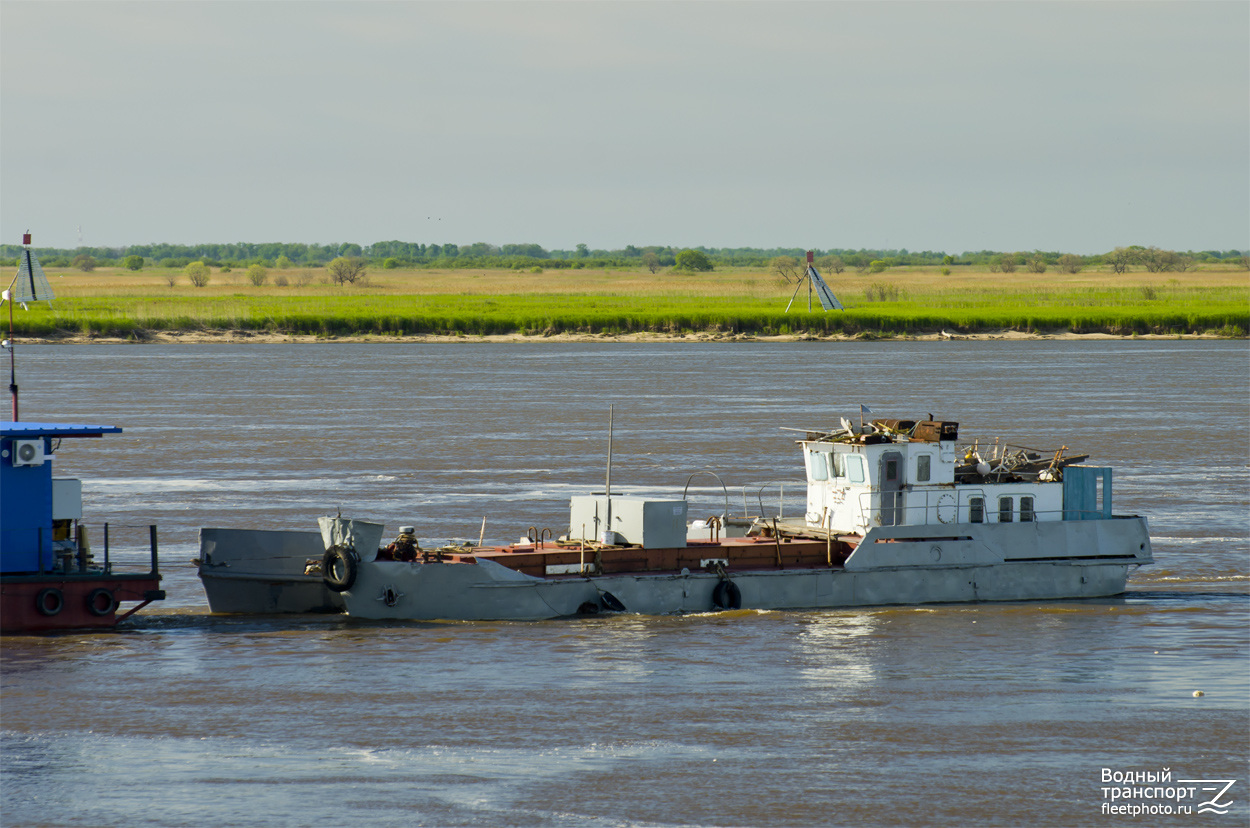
(41, 603)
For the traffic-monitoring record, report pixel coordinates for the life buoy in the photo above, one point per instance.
(338, 568)
(101, 602)
(50, 601)
(726, 595)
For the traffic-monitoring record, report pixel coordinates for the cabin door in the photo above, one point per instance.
(891, 487)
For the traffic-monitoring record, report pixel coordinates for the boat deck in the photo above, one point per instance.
(730, 554)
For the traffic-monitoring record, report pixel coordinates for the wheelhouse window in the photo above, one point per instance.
(924, 464)
(1026, 510)
(855, 468)
(976, 510)
(818, 465)
(891, 470)
(1005, 508)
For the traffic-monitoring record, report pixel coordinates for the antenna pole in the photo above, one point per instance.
(8, 295)
(607, 486)
(12, 364)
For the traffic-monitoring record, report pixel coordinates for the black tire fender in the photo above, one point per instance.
(338, 568)
(611, 602)
(101, 602)
(726, 595)
(50, 601)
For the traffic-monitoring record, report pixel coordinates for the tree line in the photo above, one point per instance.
(395, 254)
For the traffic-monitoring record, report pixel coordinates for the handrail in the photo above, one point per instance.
(84, 553)
(781, 497)
(724, 490)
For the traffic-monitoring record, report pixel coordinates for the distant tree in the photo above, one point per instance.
(197, 273)
(858, 261)
(1071, 263)
(1008, 262)
(1156, 260)
(582, 251)
(1036, 263)
(350, 250)
(84, 262)
(480, 250)
(1244, 261)
(948, 260)
(257, 275)
(651, 261)
(877, 265)
(390, 263)
(785, 267)
(534, 251)
(346, 269)
(1119, 259)
(133, 262)
(283, 262)
(1151, 259)
(693, 260)
(831, 264)
(1171, 260)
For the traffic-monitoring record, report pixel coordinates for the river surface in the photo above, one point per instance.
(1006, 715)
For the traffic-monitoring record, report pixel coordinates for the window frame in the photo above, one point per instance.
(818, 465)
(856, 471)
(1028, 513)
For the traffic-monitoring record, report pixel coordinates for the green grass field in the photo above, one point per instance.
(400, 303)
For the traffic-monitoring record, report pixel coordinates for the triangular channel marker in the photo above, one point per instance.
(827, 300)
(31, 285)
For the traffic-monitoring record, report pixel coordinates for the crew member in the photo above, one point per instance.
(404, 547)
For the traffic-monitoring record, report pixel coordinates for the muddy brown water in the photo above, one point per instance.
(939, 715)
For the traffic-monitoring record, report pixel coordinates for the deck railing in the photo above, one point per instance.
(79, 556)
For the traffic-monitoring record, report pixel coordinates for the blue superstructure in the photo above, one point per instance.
(26, 452)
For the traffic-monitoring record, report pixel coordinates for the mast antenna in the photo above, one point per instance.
(28, 285)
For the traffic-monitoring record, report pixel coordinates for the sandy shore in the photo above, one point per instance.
(240, 337)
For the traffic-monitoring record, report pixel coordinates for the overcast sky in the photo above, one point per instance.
(928, 126)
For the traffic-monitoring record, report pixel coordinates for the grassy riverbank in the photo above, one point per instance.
(899, 302)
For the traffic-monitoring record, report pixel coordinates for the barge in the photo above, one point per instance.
(898, 512)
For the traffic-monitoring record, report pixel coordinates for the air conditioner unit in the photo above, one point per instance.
(27, 453)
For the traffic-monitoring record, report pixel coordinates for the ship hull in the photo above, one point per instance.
(968, 563)
(267, 594)
(258, 571)
(43, 603)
